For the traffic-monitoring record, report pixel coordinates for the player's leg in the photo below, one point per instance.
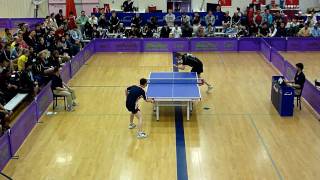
(131, 125)
(140, 134)
(203, 81)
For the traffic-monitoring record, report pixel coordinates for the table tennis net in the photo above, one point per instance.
(173, 81)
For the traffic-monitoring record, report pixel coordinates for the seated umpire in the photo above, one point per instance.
(61, 89)
(299, 80)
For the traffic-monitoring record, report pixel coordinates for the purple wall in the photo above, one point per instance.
(277, 60)
(280, 44)
(213, 44)
(249, 44)
(165, 45)
(303, 44)
(5, 154)
(265, 50)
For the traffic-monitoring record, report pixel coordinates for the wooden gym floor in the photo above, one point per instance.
(311, 61)
(240, 136)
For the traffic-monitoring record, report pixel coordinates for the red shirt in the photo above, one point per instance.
(72, 22)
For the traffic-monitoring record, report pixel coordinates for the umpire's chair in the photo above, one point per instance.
(298, 94)
(55, 100)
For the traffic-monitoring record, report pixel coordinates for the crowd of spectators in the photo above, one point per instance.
(249, 23)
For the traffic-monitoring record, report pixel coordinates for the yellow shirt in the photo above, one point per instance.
(304, 32)
(21, 61)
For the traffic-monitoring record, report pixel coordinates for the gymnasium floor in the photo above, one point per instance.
(241, 136)
(311, 61)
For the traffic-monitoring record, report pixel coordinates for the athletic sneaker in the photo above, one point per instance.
(70, 109)
(132, 126)
(74, 104)
(141, 135)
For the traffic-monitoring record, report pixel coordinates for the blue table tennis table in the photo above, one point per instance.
(173, 89)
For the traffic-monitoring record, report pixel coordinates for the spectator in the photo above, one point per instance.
(209, 18)
(103, 22)
(170, 18)
(236, 19)
(238, 12)
(61, 89)
(210, 31)
(127, 6)
(226, 22)
(6, 86)
(264, 30)
(96, 33)
(293, 27)
(267, 17)
(59, 18)
(281, 30)
(196, 22)
(176, 31)
(114, 22)
(136, 20)
(250, 16)
(165, 31)
(134, 32)
(93, 20)
(301, 19)
(4, 118)
(315, 30)
(82, 21)
(186, 31)
(147, 32)
(305, 31)
(23, 59)
(278, 18)
(39, 31)
(71, 21)
(28, 82)
(41, 45)
(252, 31)
(153, 25)
(185, 20)
(31, 39)
(218, 16)
(201, 32)
(41, 69)
(244, 20)
(15, 51)
(7, 37)
(4, 64)
(53, 21)
(257, 20)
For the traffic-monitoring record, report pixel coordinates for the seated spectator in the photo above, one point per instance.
(244, 20)
(209, 18)
(272, 31)
(32, 54)
(75, 35)
(136, 20)
(264, 30)
(41, 45)
(21, 41)
(278, 18)
(97, 34)
(59, 32)
(170, 18)
(293, 27)
(165, 31)
(28, 82)
(61, 89)
(253, 31)
(243, 31)
(210, 31)
(185, 20)
(103, 23)
(135, 32)
(153, 24)
(39, 31)
(31, 39)
(5, 53)
(187, 31)
(148, 33)
(257, 19)
(114, 22)
(305, 31)
(301, 19)
(7, 37)
(218, 16)
(8, 87)
(93, 20)
(176, 31)
(315, 30)
(238, 12)
(4, 118)
(250, 16)
(235, 19)
(4, 64)
(87, 31)
(281, 30)
(41, 69)
(201, 32)
(226, 22)
(23, 59)
(196, 22)
(15, 51)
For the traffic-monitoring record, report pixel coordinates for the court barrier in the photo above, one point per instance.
(12, 23)
(269, 47)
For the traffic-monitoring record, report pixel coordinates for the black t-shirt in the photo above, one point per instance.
(300, 79)
(56, 82)
(134, 94)
(127, 7)
(191, 61)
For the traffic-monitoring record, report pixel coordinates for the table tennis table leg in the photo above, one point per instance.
(188, 111)
(157, 111)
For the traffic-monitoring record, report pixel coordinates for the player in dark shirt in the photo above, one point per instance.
(134, 94)
(299, 80)
(194, 63)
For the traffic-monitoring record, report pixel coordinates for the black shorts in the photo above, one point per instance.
(198, 69)
(132, 109)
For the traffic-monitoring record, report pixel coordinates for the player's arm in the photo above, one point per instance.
(147, 100)
(180, 66)
(126, 92)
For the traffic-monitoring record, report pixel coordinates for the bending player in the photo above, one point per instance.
(192, 61)
(134, 94)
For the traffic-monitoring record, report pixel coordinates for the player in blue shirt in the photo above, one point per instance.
(192, 61)
(134, 94)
